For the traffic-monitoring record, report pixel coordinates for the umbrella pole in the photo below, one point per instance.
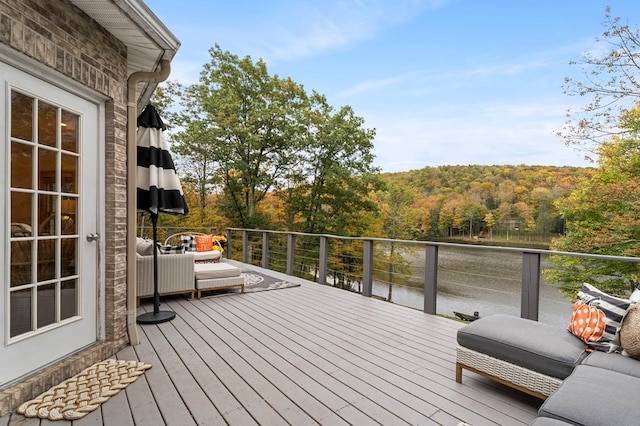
(157, 316)
(156, 293)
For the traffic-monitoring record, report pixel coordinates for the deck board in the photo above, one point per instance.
(410, 409)
(390, 366)
(307, 355)
(273, 359)
(144, 407)
(165, 393)
(238, 372)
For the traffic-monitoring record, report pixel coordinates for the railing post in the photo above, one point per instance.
(291, 249)
(530, 298)
(228, 243)
(245, 247)
(367, 269)
(430, 279)
(323, 260)
(265, 250)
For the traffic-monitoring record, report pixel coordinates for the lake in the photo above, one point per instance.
(486, 281)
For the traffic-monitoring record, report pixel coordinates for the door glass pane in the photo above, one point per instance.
(20, 306)
(47, 166)
(47, 214)
(21, 165)
(68, 208)
(46, 260)
(20, 263)
(21, 214)
(69, 128)
(21, 116)
(67, 224)
(46, 304)
(68, 258)
(47, 125)
(69, 173)
(68, 299)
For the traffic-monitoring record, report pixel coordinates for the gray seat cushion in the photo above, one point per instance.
(535, 346)
(595, 396)
(547, 421)
(614, 362)
(209, 271)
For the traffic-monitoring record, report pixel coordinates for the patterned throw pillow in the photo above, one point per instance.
(614, 310)
(171, 249)
(587, 322)
(188, 242)
(204, 242)
(630, 332)
(144, 246)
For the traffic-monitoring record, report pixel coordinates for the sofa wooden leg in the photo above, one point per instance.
(458, 372)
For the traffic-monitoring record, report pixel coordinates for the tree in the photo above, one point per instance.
(190, 141)
(253, 135)
(612, 83)
(240, 129)
(602, 217)
(400, 220)
(257, 129)
(328, 186)
(490, 221)
(429, 209)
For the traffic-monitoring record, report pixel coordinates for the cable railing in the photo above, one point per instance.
(436, 277)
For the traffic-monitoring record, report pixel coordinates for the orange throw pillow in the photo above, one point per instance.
(587, 322)
(204, 242)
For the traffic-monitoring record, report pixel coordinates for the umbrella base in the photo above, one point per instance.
(151, 318)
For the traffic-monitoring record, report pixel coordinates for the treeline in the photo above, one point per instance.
(476, 201)
(434, 203)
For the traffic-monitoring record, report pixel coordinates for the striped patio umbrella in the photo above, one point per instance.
(158, 191)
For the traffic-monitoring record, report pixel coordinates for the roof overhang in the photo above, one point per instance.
(147, 39)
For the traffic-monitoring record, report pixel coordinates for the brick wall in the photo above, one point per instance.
(65, 39)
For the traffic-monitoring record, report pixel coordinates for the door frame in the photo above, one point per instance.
(34, 69)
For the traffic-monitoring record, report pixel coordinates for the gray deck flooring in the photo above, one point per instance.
(305, 355)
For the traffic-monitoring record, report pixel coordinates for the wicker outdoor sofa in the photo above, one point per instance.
(180, 273)
(580, 385)
(188, 241)
(175, 275)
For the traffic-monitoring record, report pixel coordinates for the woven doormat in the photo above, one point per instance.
(81, 394)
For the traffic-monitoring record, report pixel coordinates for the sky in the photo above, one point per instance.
(443, 82)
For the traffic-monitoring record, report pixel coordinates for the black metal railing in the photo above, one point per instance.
(356, 263)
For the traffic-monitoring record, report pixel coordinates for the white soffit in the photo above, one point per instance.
(148, 40)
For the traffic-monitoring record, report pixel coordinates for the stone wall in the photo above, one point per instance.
(62, 37)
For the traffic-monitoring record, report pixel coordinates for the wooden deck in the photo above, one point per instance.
(306, 355)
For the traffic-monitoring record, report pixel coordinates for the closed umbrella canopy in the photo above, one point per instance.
(158, 191)
(158, 186)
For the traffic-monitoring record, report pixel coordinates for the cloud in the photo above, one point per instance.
(476, 75)
(373, 85)
(299, 30)
(493, 134)
(186, 72)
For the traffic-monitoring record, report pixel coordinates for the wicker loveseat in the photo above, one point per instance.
(175, 273)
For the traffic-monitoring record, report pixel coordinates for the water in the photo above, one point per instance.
(485, 281)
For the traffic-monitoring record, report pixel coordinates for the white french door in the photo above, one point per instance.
(49, 196)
